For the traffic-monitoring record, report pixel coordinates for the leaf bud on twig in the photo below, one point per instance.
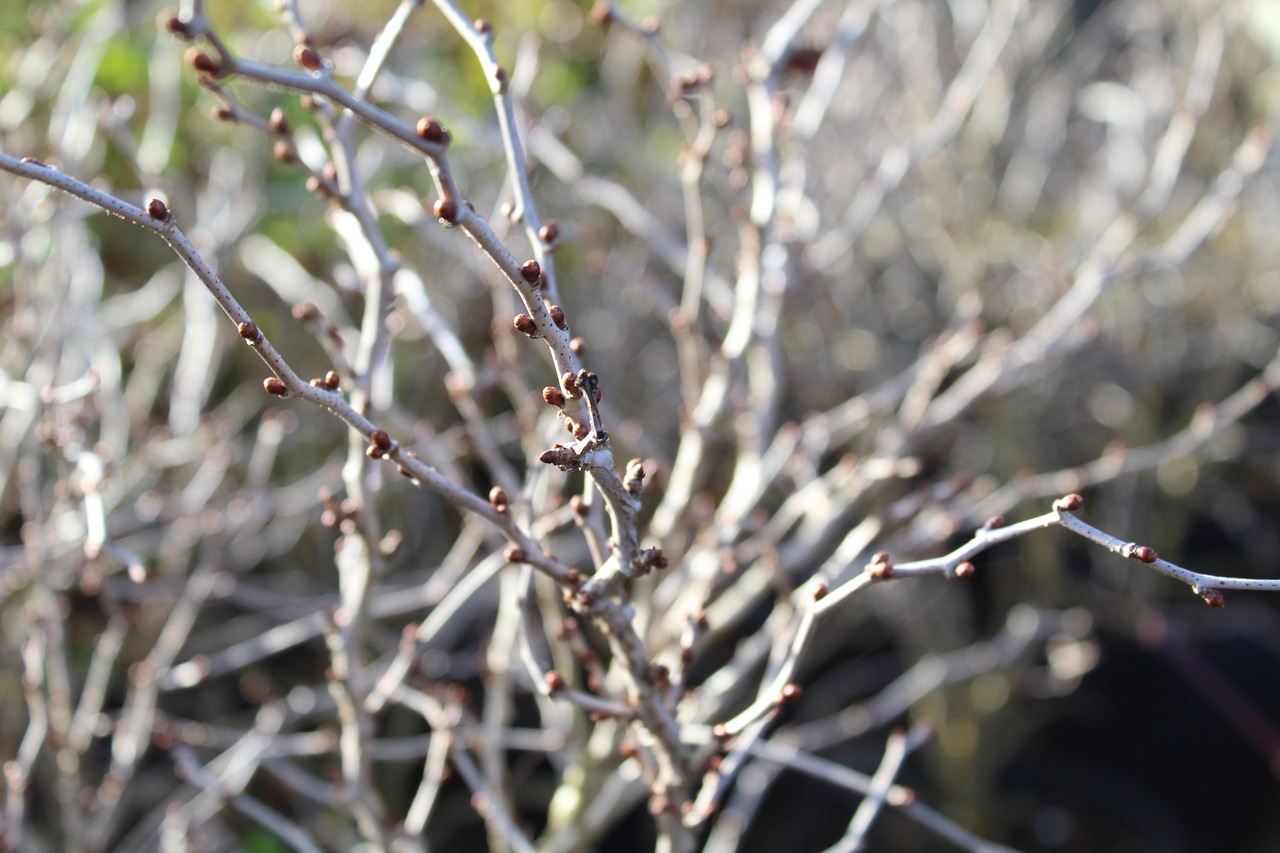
(524, 325)
(1068, 503)
(1141, 553)
(820, 590)
(482, 26)
(530, 271)
(157, 209)
(578, 345)
(569, 382)
(499, 499)
(555, 681)
(249, 331)
(332, 380)
(432, 131)
(278, 122)
(964, 570)
(202, 62)
(557, 316)
(549, 233)
(446, 210)
(1212, 597)
(306, 56)
(553, 396)
(515, 554)
(274, 385)
(791, 692)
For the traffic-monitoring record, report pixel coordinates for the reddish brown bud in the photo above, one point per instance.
(507, 210)
(573, 577)
(820, 590)
(964, 570)
(500, 77)
(557, 316)
(549, 233)
(561, 457)
(881, 571)
(569, 383)
(654, 558)
(553, 396)
(524, 325)
(499, 499)
(720, 732)
(249, 331)
(554, 680)
(628, 749)
(380, 439)
(515, 554)
(201, 61)
(1212, 597)
(274, 385)
(278, 122)
(157, 209)
(283, 152)
(222, 113)
(995, 522)
(446, 210)
(578, 345)
(174, 24)
(578, 506)
(1068, 503)
(1141, 553)
(790, 692)
(374, 452)
(332, 380)
(432, 131)
(880, 557)
(306, 56)
(530, 270)
(482, 26)
(586, 599)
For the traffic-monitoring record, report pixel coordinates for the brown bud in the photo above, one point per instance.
(275, 385)
(530, 270)
(507, 209)
(790, 692)
(278, 123)
(573, 577)
(578, 506)
(549, 233)
(1212, 597)
(554, 680)
(561, 457)
(306, 56)
(157, 209)
(524, 325)
(249, 330)
(557, 316)
(380, 439)
(820, 591)
(880, 557)
(515, 554)
(1068, 503)
(995, 522)
(201, 61)
(306, 312)
(578, 345)
(569, 382)
(174, 24)
(374, 452)
(881, 571)
(446, 210)
(580, 431)
(432, 131)
(222, 113)
(332, 380)
(482, 26)
(553, 396)
(964, 570)
(283, 152)
(499, 499)
(1141, 553)
(500, 77)
(654, 558)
